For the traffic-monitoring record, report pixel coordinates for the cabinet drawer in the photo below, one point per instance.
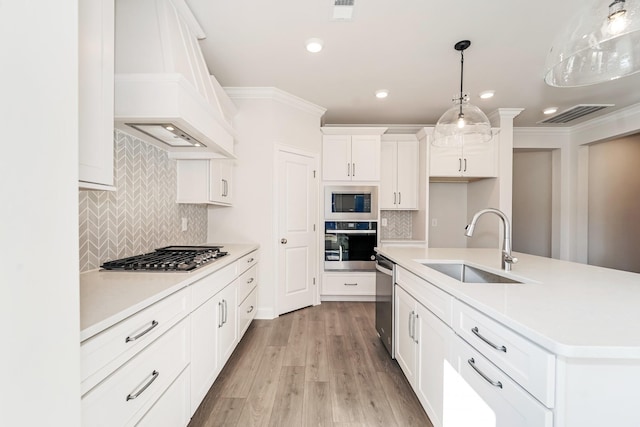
(529, 365)
(208, 286)
(247, 261)
(104, 353)
(172, 409)
(247, 282)
(247, 311)
(510, 403)
(349, 284)
(125, 396)
(432, 297)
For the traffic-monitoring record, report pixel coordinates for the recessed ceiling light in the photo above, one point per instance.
(382, 93)
(314, 45)
(550, 110)
(487, 94)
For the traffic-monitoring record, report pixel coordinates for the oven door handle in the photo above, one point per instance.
(371, 232)
(340, 247)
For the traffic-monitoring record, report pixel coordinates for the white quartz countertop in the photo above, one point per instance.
(571, 309)
(107, 297)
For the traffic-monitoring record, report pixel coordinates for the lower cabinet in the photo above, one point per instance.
(423, 346)
(462, 384)
(179, 346)
(129, 393)
(349, 284)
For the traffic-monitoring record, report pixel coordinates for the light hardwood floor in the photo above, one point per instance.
(319, 366)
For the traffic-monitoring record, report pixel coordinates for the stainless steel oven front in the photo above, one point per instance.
(349, 245)
(351, 203)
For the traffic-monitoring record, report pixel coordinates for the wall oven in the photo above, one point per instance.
(349, 245)
(351, 203)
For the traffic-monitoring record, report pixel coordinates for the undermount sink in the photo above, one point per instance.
(468, 274)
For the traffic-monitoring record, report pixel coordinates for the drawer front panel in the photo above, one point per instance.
(529, 365)
(247, 261)
(102, 354)
(172, 409)
(208, 286)
(511, 404)
(353, 284)
(126, 395)
(432, 297)
(247, 282)
(247, 311)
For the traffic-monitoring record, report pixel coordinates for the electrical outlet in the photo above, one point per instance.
(384, 222)
(434, 222)
(184, 224)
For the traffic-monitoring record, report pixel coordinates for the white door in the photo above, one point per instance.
(297, 217)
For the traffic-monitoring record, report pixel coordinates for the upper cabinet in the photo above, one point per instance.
(208, 181)
(399, 175)
(351, 154)
(95, 93)
(473, 160)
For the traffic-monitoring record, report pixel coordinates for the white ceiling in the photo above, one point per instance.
(405, 46)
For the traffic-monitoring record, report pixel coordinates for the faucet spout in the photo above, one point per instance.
(507, 258)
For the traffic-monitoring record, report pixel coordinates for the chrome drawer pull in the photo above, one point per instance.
(351, 284)
(154, 376)
(220, 315)
(153, 325)
(483, 375)
(250, 280)
(477, 333)
(250, 309)
(250, 260)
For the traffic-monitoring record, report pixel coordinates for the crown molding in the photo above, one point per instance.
(275, 94)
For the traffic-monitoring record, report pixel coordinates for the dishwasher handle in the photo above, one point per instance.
(383, 265)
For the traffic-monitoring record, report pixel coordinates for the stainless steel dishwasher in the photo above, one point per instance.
(385, 277)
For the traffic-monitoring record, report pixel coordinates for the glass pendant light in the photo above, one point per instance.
(602, 43)
(464, 121)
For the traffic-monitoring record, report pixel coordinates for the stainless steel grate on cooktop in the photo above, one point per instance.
(170, 258)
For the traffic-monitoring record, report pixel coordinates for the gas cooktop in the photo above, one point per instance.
(170, 258)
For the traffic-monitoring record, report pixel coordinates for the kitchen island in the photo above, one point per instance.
(572, 331)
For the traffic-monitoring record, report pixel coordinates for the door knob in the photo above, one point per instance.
(283, 241)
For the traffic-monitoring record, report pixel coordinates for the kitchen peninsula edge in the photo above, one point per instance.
(107, 297)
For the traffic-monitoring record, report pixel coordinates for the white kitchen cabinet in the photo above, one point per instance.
(473, 160)
(399, 175)
(351, 157)
(422, 346)
(351, 284)
(497, 399)
(124, 397)
(208, 181)
(227, 329)
(96, 24)
(172, 409)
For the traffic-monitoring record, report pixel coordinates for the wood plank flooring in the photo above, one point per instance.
(319, 366)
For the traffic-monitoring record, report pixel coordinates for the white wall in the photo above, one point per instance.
(39, 296)
(614, 204)
(570, 170)
(532, 201)
(266, 119)
(448, 212)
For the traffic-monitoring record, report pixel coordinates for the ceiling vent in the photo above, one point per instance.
(342, 10)
(575, 113)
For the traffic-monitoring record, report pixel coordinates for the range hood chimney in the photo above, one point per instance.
(164, 93)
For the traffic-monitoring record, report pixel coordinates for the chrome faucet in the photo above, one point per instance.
(507, 259)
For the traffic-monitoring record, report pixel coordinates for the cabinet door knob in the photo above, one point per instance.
(283, 241)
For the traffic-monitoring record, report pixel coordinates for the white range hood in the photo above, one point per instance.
(164, 93)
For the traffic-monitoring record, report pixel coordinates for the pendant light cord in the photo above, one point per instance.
(461, 77)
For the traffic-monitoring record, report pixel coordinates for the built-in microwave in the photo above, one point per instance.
(351, 203)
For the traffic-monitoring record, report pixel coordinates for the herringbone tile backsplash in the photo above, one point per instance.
(399, 225)
(142, 214)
